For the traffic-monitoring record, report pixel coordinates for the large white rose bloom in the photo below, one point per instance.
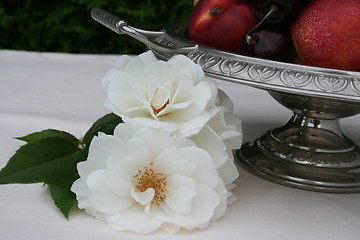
(177, 98)
(173, 96)
(141, 180)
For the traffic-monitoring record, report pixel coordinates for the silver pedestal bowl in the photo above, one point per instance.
(310, 151)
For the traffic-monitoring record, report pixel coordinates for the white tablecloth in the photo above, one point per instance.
(62, 91)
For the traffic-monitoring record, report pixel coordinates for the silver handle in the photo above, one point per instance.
(121, 27)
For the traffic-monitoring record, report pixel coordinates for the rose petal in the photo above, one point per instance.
(164, 124)
(199, 97)
(124, 95)
(180, 142)
(224, 101)
(131, 215)
(180, 192)
(174, 161)
(79, 188)
(183, 86)
(100, 149)
(143, 197)
(106, 80)
(231, 198)
(193, 126)
(139, 63)
(223, 196)
(204, 204)
(161, 95)
(101, 198)
(147, 135)
(170, 227)
(96, 180)
(228, 127)
(122, 62)
(205, 172)
(179, 106)
(143, 227)
(203, 207)
(127, 159)
(133, 219)
(228, 172)
(118, 181)
(109, 203)
(187, 69)
(125, 131)
(208, 140)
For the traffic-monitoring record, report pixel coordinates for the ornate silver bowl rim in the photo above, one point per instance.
(260, 73)
(266, 74)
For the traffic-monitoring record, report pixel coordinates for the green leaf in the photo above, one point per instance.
(40, 160)
(62, 196)
(106, 124)
(51, 156)
(60, 187)
(49, 133)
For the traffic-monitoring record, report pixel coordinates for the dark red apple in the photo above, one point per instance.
(327, 34)
(221, 24)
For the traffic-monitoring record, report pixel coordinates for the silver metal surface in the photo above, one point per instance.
(121, 27)
(310, 151)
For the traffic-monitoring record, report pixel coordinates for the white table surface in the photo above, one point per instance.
(62, 91)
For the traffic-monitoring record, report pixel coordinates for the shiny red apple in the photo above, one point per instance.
(221, 24)
(327, 34)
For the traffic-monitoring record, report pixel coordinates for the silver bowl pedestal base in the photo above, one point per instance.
(309, 152)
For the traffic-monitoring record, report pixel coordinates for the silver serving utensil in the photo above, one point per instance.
(121, 27)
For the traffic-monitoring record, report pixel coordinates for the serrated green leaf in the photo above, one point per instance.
(62, 196)
(49, 133)
(60, 188)
(106, 124)
(40, 160)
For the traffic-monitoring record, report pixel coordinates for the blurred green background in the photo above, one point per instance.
(66, 25)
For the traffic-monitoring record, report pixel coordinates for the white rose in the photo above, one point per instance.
(220, 136)
(173, 96)
(141, 180)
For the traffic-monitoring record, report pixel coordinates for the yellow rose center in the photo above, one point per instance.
(149, 178)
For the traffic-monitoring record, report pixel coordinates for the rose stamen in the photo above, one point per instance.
(149, 178)
(161, 97)
(157, 110)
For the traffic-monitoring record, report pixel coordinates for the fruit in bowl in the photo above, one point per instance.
(327, 34)
(323, 33)
(284, 11)
(221, 24)
(267, 43)
(270, 38)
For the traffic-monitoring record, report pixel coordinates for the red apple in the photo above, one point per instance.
(327, 34)
(221, 24)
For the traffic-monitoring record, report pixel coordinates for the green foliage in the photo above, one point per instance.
(66, 26)
(39, 160)
(105, 124)
(49, 133)
(63, 198)
(51, 156)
